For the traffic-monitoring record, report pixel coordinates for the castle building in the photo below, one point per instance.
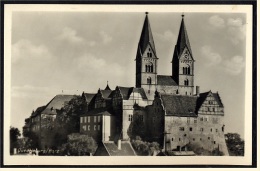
(160, 108)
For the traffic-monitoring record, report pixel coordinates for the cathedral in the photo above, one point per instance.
(160, 108)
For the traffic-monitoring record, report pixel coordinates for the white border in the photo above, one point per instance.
(43, 160)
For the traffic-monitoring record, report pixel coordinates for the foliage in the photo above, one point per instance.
(235, 144)
(143, 148)
(14, 135)
(79, 145)
(200, 151)
(32, 140)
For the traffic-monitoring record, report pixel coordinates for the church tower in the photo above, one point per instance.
(146, 60)
(183, 62)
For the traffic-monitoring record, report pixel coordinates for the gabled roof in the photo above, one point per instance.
(88, 96)
(57, 102)
(178, 105)
(106, 93)
(112, 148)
(183, 40)
(165, 80)
(146, 37)
(203, 96)
(127, 91)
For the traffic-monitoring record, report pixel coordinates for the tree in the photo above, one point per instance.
(14, 135)
(235, 144)
(67, 120)
(143, 148)
(79, 145)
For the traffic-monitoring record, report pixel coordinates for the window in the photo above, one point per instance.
(195, 120)
(84, 128)
(81, 119)
(216, 130)
(95, 126)
(213, 109)
(208, 138)
(186, 82)
(179, 139)
(201, 129)
(88, 127)
(193, 139)
(130, 118)
(95, 118)
(200, 139)
(149, 67)
(211, 130)
(201, 119)
(149, 80)
(88, 119)
(181, 128)
(186, 70)
(214, 142)
(205, 119)
(209, 109)
(188, 120)
(98, 127)
(85, 119)
(172, 139)
(99, 118)
(190, 128)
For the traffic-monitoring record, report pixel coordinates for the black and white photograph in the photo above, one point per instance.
(127, 85)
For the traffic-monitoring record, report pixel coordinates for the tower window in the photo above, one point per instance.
(149, 67)
(186, 70)
(149, 80)
(186, 82)
(130, 118)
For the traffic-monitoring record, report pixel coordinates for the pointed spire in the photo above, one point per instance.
(183, 40)
(107, 87)
(146, 36)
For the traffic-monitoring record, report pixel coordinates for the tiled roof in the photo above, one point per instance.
(99, 111)
(146, 37)
(165, 80)
(203, 96)
(183, 40)
(57, 103)
(126, 149)
(141, 91)
(178, 105)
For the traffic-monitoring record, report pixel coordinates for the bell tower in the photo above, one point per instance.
(146, 60)
(183, 62)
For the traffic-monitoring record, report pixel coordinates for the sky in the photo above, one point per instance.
(71, 52)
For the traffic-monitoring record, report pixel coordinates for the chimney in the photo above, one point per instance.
(197, 90)
(119, 144)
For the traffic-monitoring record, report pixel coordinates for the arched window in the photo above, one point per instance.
(149, 67)
(149, 80)
(186, 70)
(152, 68)
(186, 82)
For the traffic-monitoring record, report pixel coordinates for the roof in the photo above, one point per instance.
(98, 111)
(106, 93)
(203, 96)
(146, 37)
(57, 102)
(183, 40)
(127, 91)
(107, 87)
(179, 105)
(88, 96)
(112, 148)
(38, 111)
(165, 80)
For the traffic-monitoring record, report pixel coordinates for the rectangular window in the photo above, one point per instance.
(195, 120)
(84, 128)
(95, 119)
(213, 109)
(179, 139)
(188, 120)
(98, 127)
(209, 138)
(88, 119)
(201, 119)
(81, 119)
(88, 127)
(98, 118)
(95, 126)
(201, 129)
(216, 130)
(205, 119)
(211, 130)
(85, 118)
(190, 128)
(181, 128)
